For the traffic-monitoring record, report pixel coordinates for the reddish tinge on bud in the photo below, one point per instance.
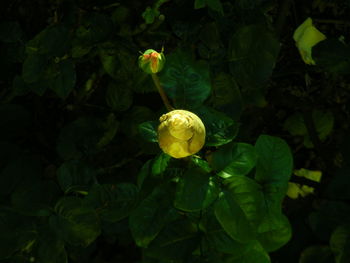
(151, 61)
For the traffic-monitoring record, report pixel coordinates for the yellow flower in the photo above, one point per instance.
(181, 133)
(306, 36)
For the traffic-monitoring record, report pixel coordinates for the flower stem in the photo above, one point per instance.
(161, 92)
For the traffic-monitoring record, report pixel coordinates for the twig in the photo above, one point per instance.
(161, 92)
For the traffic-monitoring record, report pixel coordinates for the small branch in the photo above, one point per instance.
(161, 92)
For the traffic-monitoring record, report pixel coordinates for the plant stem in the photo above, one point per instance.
(161, 92)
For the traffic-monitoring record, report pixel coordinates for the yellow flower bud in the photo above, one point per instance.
(306, 36)
(151, 61)
(181, 133)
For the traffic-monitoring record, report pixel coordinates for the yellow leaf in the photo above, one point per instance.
(306, 36)
(311, 175)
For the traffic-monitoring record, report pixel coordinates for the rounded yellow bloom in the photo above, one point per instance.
(181, 133)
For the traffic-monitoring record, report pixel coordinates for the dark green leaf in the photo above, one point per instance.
(35, 198)
(215, 5)
(118, 96)
(52, 41)
(199, 4)
(232, 218)
(175, 242)
(219, 128)
(332, 55)
(340, 243)
(148, 131)
(195, 190)
(77, 224)
(248, 195)
(34, 67)
(79, 137)
(75, 176)
(151, 216)
(234, 159)
(113, 202)
(275, 161)
(328, 217)
(320, 254)
(185, 80)
(252, 53)
(51, 248)
(64, 78)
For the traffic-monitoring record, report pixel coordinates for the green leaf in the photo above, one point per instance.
(63, 78)
(118, 97)
(255, 253)
(217, 238)
(144, 172)
(329, 215)
(319, 253)
(34, 67)
(113, 202)
(274, 231)
(232, 218)
(219, 128)
(323, 121)
(195, 190)
(248, 195)
(153, 213)
(77, 224)
(185, 80)
(160, 164)
(51, 248)
(79, 138)
(227, 95)
(275, 161)
(148, 131)
(215, 5)
(17, 232)
(52, 41)
(75, 176)
(252, 54)
(150, 14)
(175, 242)
(94, 27)
(234, 159)
(199, 4)
(332, 55)
(340, 243)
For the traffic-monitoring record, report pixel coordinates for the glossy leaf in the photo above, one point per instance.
(185, 80)
(232, 218)
(149, 218)
(77, 224)
(160, 163)
(113, 202)
(234, 159)
(148, 131)
(195, 190)
(176, 241)
(220, 129)
(75, 176)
